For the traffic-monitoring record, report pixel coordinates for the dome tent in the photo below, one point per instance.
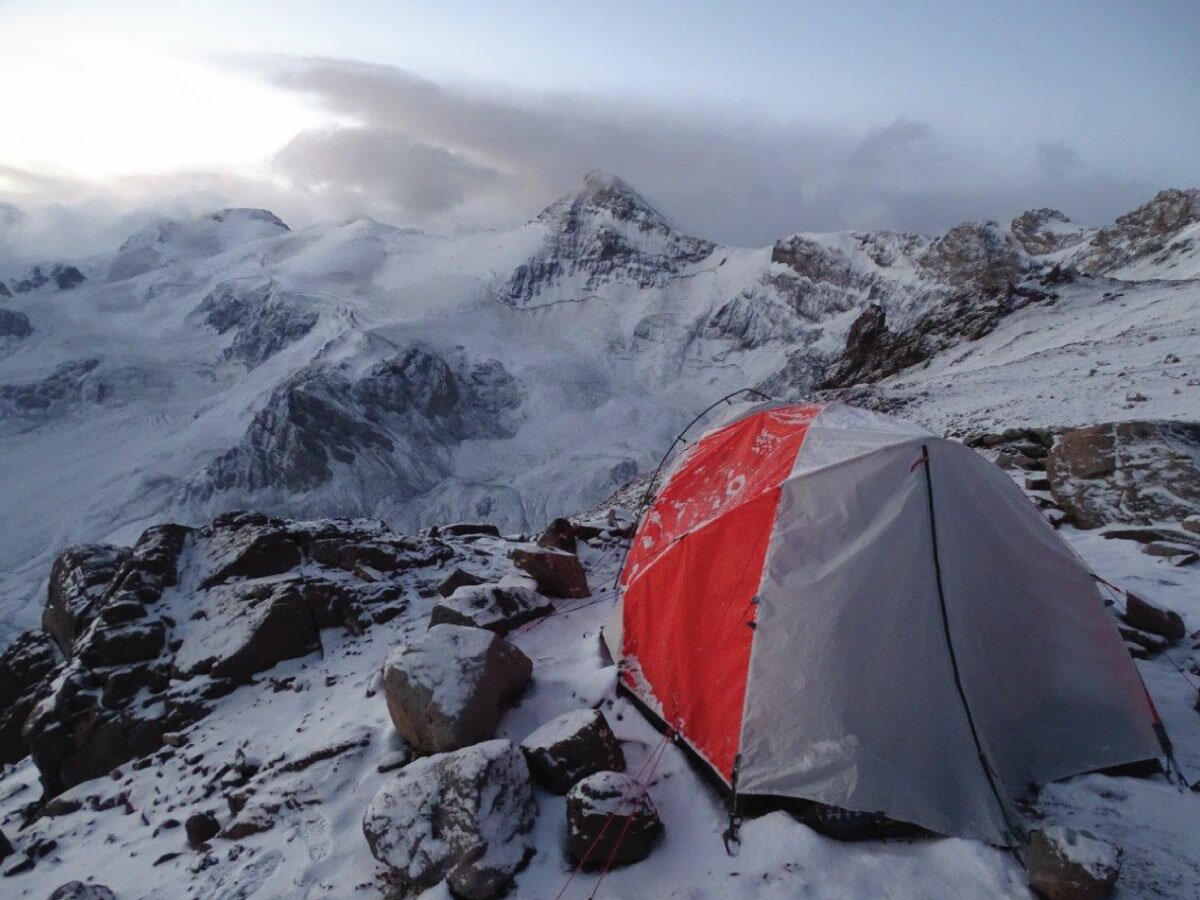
(830, 604)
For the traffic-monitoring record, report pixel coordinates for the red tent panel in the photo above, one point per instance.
(692, 574)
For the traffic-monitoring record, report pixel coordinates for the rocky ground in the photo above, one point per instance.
(271, 708)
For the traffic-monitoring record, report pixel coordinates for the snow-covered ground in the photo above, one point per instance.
(316, 846)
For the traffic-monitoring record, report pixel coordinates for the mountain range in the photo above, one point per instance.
(356, 368)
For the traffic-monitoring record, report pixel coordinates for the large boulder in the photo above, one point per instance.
(466, 817)
(572, 747)
(496, 607)
(6, 848)
(23, 666)
(1065, 864)
(610, 817)
(448, 688)
(556, 572)
(1129, 472)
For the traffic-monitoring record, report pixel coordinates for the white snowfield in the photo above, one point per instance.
(360, 369)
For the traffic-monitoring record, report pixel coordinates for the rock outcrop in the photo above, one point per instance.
(399, 421)
(24, 666)
(14, 324)
(496, 607)
(80, 890)
(144, 658)
(261, 315)
(1136, 472)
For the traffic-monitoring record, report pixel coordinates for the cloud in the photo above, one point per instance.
(452, 157)
(735, 178)
(1056, 159)
(882, 145)
(422, 179)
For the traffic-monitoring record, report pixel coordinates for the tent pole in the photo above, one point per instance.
(984, 763)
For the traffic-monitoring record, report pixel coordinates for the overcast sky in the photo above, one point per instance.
(743, 121)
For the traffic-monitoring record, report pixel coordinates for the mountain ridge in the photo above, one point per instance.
(228, 361)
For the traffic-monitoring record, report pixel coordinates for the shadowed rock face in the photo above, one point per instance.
(26, 663)
(63, 277)
(69, 384)
(263, 317)
(403, 416)
(14, 324)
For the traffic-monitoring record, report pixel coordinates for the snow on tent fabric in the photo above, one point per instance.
(843, 608)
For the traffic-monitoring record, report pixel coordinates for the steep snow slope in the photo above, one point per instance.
(360, 369)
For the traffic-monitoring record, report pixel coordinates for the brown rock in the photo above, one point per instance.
(556, 573)
(456, 579)
(1146, 616)
(448, 689)
(201, 827)
(1065, 864)
(559, 535)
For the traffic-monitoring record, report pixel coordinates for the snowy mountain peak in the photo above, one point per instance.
(1046, 230)
(604, 232)
(1159, 239)
(201, 237)
(608, 196)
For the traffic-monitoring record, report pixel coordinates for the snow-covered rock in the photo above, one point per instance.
(498, 608)
(1135, 472)
(1042, 231)
(571, 747)
(466, 817)
(1143, 615)
(610, 818)
(78, 580)
(449, 688)
(1066, 864)
(81, 890)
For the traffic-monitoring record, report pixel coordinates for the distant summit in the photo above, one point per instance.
(603, 193)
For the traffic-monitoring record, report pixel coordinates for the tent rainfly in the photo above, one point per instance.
(831, 604)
